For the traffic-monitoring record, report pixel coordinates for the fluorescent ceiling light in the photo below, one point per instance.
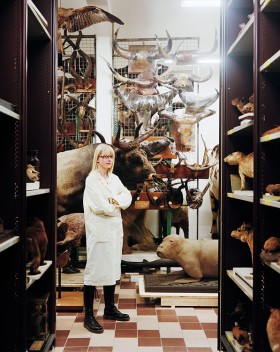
(200, 3)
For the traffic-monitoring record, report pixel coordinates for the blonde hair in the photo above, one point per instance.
(103, 149)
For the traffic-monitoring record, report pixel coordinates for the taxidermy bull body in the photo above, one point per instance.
(73, 166)
(131, 165)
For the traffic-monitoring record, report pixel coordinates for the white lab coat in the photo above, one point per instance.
(104, 228)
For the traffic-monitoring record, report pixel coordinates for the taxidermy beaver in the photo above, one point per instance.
(36, 244)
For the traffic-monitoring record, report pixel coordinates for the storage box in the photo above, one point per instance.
(37, 317)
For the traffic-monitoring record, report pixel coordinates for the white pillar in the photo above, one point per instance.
(104, 108)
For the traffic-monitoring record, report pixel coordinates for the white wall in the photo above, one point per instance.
(144, 19)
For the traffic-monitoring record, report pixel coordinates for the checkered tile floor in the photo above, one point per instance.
(152, 328)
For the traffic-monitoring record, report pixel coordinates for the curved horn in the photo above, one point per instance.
(162, 52)
(201, 79)
(120, 144)
(144, 136)
(133, 144)
(124, 80)
(195, 103)
(100, 136)
(115, 73)
(137, 129)
(205, 160)
(187, 56)
(120, 51)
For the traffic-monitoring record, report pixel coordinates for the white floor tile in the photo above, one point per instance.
(170, 330)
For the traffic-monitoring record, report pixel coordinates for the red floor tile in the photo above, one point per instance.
(75, 349)
(77, 342)
(190, 326)
(173, 342)
(167, 318)
(166, 312)
(188, 319)
(126, 333)
(125, 325)
(149, 341)
(171, 349)
(148, 333)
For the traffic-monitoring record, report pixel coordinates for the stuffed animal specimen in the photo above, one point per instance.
(242, 106)
(198, 258)
(273, 189)
(245, 165)
(244, 233)
(32, 174)
(36, 244)
(271, 250)
(273, 329)
(74, 20)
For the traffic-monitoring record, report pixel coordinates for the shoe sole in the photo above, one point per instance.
(94, 331)
(108, 317)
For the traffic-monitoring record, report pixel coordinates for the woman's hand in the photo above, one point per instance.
(113, 201)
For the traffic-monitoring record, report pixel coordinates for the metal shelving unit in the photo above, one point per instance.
(251, 66)
(28, 121)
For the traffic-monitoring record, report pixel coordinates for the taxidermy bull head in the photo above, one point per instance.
(145, 59)
(182, 127)
(188, 57)
(181, 80)
(144, 106)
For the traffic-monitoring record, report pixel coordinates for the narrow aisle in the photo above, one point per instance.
(152, 328)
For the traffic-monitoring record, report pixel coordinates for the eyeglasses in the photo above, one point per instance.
(106, 157)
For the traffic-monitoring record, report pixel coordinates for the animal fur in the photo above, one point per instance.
(71, 233)
(214, 190)
(271, 250)
(242, 106)
(273, 189)
(36, 243)
(240, 335)
(273, 330)
(245, 165)
(32, 174)
(198, 258)
(244, 233)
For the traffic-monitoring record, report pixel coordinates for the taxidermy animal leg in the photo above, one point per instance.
(215, 205)
(90, 322)
(111, 312)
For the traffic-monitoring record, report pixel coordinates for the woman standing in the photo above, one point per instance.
(104, 197)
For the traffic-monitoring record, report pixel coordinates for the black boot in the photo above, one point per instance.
(111, 312)
(90, 322)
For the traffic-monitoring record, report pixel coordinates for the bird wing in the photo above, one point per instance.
(77, 19)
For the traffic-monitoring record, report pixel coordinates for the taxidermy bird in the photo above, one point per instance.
(73, 20)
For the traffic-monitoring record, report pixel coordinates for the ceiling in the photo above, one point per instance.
(147, 18)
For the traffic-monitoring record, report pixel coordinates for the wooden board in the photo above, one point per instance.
(181, 171)
(70, 301)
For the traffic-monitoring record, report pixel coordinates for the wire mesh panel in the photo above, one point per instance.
(125, 69)
(78, 105)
